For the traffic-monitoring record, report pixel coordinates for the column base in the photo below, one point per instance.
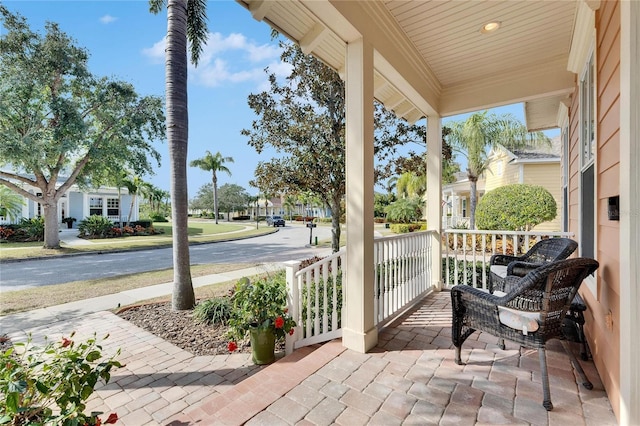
(360, 342)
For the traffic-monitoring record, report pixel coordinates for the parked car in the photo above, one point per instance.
(275, 221)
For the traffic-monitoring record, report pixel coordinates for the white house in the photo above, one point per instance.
(103, 201)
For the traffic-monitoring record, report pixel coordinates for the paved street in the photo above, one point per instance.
(289, 243)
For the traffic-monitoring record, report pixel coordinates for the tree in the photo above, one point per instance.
(474, 136)
(10, 204)
(203, 199)
(214, 164)
(404, 210)
(133, 185)
(232, 198)
(303, 119)
(186, 21)
(57, 120)
(410, 184)
(517, 207)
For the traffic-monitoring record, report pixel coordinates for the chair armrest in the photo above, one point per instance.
(520, 269)
(476, 292)
(502, 259)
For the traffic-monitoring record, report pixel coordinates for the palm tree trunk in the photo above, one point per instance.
(183, 297)
(215, 195)
(473, 199)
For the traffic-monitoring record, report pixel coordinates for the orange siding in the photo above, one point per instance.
(603, 335)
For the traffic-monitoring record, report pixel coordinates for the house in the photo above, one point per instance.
(110, 202)
(574, 64)
(530, 165)
(455, 200)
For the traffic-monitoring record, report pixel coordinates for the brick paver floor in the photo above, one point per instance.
(409, 378)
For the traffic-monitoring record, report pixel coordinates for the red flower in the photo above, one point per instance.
(291, 332)
(112, 419)
(279, 322)
(66, 342)
(232, 346)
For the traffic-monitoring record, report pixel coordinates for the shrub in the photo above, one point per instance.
(404, 210)
(95, 226)
(517, 207)
(242, 217)
(5, 233)
(142, 223)
(32, 229)
(157, 217)
(403, 228)
(213, 311)
(51, 384)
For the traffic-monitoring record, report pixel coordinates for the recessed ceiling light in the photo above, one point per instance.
(490, 27)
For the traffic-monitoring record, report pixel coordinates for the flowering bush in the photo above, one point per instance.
(261, 304)
(5, 233)
(50, 384)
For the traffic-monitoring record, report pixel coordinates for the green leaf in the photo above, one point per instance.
(13, 399)
(93, 356)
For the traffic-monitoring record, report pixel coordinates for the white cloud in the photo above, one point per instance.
(107, 19)
(230, 59)
(156, 52)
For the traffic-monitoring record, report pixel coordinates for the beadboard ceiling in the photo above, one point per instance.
(430, 56)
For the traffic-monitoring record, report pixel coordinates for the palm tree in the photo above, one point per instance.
(186, 21)
(10, 203)
(214, 164)
(133, 185)
(410, 184)
(474, 136)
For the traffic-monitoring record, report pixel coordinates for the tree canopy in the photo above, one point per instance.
(303, 119)
(61, 125)
(517, 207)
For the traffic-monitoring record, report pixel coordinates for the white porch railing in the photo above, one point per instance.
(402, 271)
(456, 222)
(402, 276)
(403, 268)
(315, 300)
(466, 253)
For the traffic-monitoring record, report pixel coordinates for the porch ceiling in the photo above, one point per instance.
(431, 56)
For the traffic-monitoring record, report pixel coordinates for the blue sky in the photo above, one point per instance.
(125, 41)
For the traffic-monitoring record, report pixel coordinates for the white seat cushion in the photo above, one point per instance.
(499, 270)
(527, 322)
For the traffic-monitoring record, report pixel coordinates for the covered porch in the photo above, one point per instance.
(569, 63)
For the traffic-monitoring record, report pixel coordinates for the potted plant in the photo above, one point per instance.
(69, 221)
(259, 310)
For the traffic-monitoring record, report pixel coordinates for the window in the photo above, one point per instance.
(113, 207)
(95, 206)
(587, 160)
(499, 168)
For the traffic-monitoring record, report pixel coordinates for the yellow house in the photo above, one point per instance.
(533, 166)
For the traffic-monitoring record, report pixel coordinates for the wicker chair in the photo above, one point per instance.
(544, 295)
(544, 251)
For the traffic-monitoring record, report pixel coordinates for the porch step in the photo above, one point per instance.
(254, 394)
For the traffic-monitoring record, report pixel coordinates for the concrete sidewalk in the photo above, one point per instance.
(24, 321)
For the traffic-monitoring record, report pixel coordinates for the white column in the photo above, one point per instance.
(359, 332)
(629, 208)
(434, 195)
